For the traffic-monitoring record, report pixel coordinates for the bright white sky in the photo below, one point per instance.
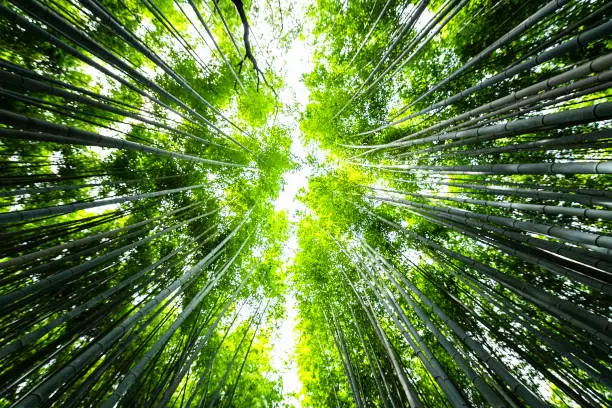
(291, 65)
(298, 62)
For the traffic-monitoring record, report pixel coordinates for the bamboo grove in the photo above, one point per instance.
(465, 220)
(140, 247)
(454, 248)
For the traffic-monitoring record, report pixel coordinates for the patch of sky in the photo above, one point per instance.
(291, 63)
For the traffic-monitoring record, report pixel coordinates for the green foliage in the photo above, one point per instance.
(452, 249)
(391, 233)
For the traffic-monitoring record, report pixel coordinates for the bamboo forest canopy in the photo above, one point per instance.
(338, 203)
